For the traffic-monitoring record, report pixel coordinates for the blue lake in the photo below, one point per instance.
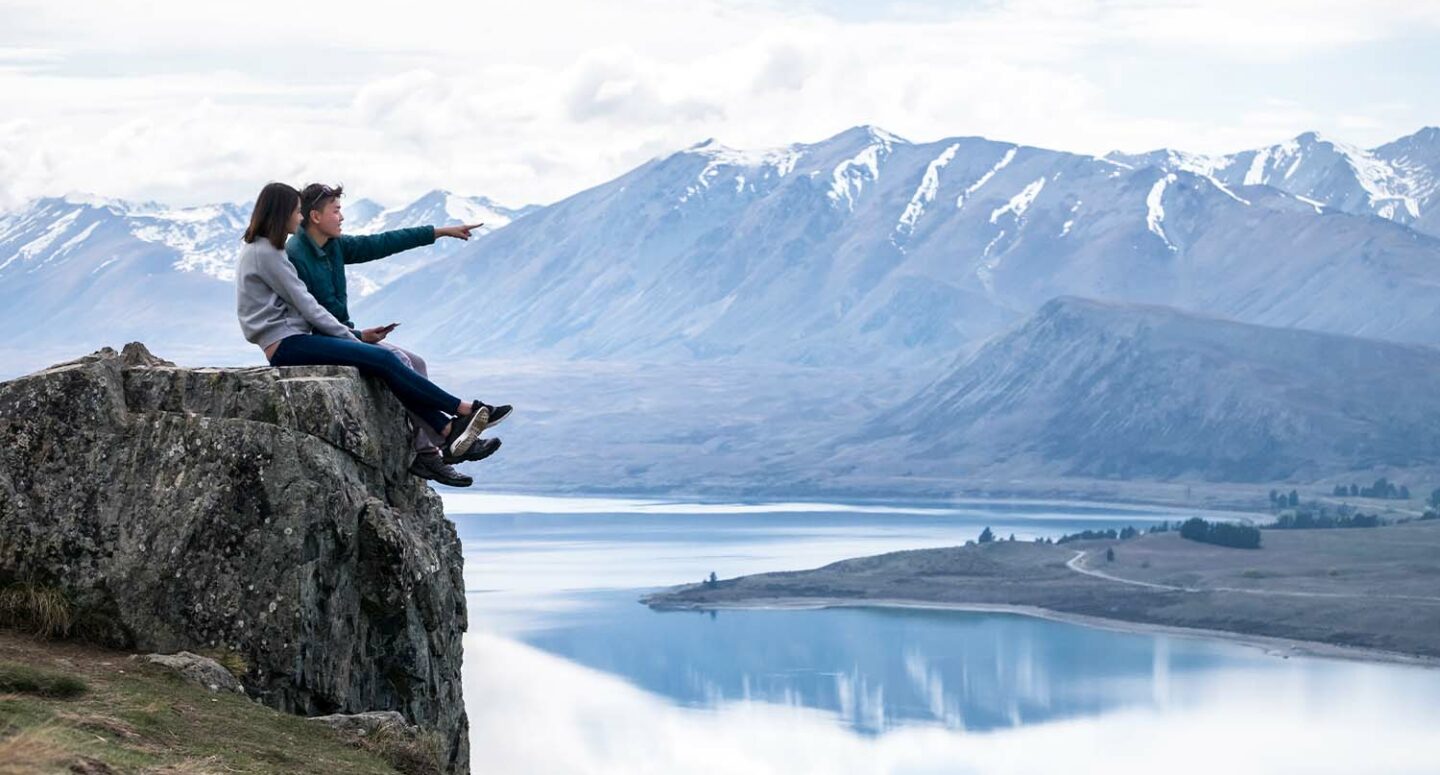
(566, 672)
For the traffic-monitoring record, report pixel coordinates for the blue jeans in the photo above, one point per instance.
(421, 396)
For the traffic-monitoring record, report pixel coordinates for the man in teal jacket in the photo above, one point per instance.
(320, 252)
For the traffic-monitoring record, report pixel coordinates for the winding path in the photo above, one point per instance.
(1075, 565)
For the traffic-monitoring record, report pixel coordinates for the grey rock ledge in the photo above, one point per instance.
(267, 512)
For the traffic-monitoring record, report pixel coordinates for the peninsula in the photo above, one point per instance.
(1367, 593)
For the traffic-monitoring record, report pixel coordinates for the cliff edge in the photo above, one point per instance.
(262, 511)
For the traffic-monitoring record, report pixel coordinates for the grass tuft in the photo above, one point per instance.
(44, 611)
(409, 753)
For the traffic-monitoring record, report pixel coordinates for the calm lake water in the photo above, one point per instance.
(565, 672)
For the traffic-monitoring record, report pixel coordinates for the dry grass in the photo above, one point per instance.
(208, 765)
(95, 722)
(44, 611)
(409, 753)
(28, 751)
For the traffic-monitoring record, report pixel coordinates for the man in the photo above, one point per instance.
(320, 252)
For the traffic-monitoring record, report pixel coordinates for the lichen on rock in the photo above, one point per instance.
(263, 511)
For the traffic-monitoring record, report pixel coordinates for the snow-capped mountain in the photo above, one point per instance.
(92, 271)
(96, 272)
(438, 208)
(1399, 181)
(1085, 388)
(866, 248)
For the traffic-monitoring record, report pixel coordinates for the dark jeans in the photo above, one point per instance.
(419, 395)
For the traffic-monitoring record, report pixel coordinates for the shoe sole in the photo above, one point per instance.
(466, 482)
(457, 460)
(502, 418)
(467, 437)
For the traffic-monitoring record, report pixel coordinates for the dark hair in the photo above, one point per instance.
(271, 215)
(315, 196)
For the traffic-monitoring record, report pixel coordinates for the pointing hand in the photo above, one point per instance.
(458, 232)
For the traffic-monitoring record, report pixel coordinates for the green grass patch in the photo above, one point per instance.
(138, 718)
(23, 679)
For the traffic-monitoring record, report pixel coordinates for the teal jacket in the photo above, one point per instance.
(323, 269)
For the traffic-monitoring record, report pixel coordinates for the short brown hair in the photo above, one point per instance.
(271, 215)
(315, 196)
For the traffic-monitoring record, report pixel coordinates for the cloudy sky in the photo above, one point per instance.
(529, 102)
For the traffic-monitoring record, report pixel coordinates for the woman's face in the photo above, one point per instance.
(293, 225)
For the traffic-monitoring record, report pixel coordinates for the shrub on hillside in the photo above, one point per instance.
(1221, 533)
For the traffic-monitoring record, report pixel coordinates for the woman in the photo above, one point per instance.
(279, 314)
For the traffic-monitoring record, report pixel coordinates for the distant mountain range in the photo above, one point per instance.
(1398, 181)
(96, 271)
(1103, 390)
(863, 310)
(868, 249)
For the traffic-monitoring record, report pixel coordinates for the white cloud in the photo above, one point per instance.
(533, 712)
(534, 101)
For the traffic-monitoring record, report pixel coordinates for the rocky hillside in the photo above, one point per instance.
(267, 512)
(1092, 389)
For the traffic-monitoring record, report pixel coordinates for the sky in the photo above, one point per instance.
(188, 103)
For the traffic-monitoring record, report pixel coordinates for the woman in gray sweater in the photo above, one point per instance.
(278, 314)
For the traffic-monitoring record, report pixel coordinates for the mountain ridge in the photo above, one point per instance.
(1099, 389)
(865, 247)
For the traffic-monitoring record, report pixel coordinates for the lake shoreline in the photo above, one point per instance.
(1364, 593)
(1282, 648)
(1207, 499)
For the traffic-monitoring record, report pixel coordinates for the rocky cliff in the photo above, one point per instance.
(262, 511)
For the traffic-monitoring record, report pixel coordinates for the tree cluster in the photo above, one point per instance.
(1305, 520)
(1221, 533)
(1280, 500)
(1089, 535)
(1382, 488)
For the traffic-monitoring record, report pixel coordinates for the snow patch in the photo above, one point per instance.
(763, 163)
(75, 241)
(1224, 190)
(1065, 229)
(1000, 165)
(40, 244)
(1021, 202)
(1155, 209)
(850, 175)
(1255, 176)
(925, 194)
(986, 270)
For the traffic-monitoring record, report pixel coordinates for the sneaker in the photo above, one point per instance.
(464, 431)
(429, 465)
(497, 413)
(478, 451)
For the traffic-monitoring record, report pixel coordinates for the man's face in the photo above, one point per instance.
(327, 219)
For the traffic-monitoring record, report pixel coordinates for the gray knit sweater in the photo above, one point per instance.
(272, 301)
